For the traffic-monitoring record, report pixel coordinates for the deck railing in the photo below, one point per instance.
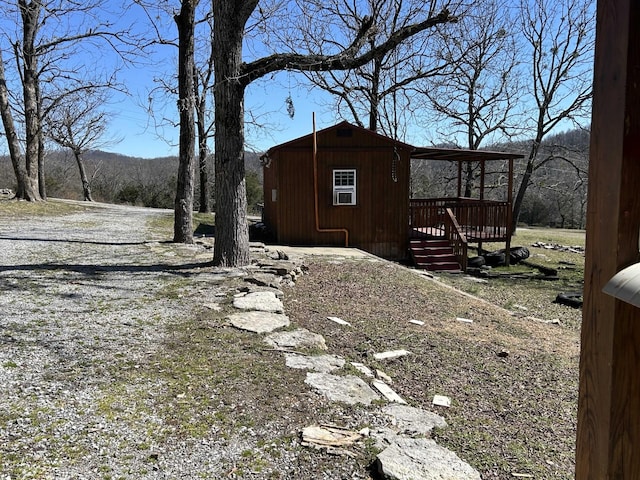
(479, 220)
(458, 241)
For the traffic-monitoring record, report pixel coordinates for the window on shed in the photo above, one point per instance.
(344, 187)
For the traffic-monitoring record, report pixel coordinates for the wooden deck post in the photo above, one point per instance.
(608, 440)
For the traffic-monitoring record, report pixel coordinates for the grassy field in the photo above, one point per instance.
(533, 295)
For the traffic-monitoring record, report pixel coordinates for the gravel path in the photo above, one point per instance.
(85, 299)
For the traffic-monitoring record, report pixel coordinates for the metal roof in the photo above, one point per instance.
(460, 155)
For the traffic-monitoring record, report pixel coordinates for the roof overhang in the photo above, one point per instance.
(461, 155)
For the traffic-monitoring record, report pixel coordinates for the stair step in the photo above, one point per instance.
(428, 243)
(434, 255)
(433, 251)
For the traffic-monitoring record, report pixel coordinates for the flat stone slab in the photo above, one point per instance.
(413, 421)
(348, 389)
(387, 392)
(259, 322)
(301, 338)
(390, 355)
(259, 301)
(422, 459)
(316, 363)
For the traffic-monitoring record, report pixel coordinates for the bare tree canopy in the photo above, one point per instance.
(559, 37)
(56, 51)
(375, 94)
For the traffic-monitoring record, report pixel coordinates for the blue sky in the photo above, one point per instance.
(132, 125)
(140, 137)
(265, 99)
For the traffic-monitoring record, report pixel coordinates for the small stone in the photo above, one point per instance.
(387, 392)
(213, 306)
(339, 321)
(441, 401)
(390, 354)
(503, 353)
(383, 376)
(362, 368)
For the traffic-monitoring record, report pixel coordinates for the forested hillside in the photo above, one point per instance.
(557, 197)
(121, 179)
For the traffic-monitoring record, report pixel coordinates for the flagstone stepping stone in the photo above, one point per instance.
(348, 389)
(259, 322)
(296, 339)
(422, 459)
(316, 363)
(413, 421)
(259, 301)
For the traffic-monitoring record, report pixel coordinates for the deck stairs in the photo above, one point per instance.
(435, 255)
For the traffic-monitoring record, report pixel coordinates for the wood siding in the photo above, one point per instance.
(378, 223)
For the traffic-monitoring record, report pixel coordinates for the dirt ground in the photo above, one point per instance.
(117, 360)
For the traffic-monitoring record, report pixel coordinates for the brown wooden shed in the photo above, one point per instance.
(343, 186)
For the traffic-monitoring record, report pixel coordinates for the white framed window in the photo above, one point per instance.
(344, 187)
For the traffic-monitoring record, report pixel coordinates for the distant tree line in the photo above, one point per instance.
(120, 179)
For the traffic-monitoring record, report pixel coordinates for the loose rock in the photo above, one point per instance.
(348, 389)
(260, 301)
(259, 322)
(301, 338)
(317, 363)
(413, 421)
(422, 459)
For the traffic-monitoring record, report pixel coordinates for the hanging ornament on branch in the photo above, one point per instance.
(291, 110)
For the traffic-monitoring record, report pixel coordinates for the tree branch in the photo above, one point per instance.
(346, 59)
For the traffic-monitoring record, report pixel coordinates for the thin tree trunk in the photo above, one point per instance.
(183, 217)
(231, 247)
(86, 187)
(524, 184)
(42, 184)
(10, 132)
(203, 153)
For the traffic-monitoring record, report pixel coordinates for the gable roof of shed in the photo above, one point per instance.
(338, 126)
(425, 153)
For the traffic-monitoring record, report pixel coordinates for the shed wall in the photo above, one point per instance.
(378, 223)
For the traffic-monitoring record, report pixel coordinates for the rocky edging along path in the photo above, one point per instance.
(407, 452)
(79, 296)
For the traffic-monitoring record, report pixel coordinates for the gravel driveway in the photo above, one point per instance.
(86, 301)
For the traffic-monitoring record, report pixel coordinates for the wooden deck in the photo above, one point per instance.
(461, 221)
(479, 220)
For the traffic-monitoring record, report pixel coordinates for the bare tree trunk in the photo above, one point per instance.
(42, 184)
(231, 247)
(203, 153)
(86, 187)
(183, 218)
(30, 14)
(10, 132)
(524, 184)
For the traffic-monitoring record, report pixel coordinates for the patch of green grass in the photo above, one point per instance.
(24, 209)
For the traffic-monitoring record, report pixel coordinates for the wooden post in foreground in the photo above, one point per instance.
(608, 440)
